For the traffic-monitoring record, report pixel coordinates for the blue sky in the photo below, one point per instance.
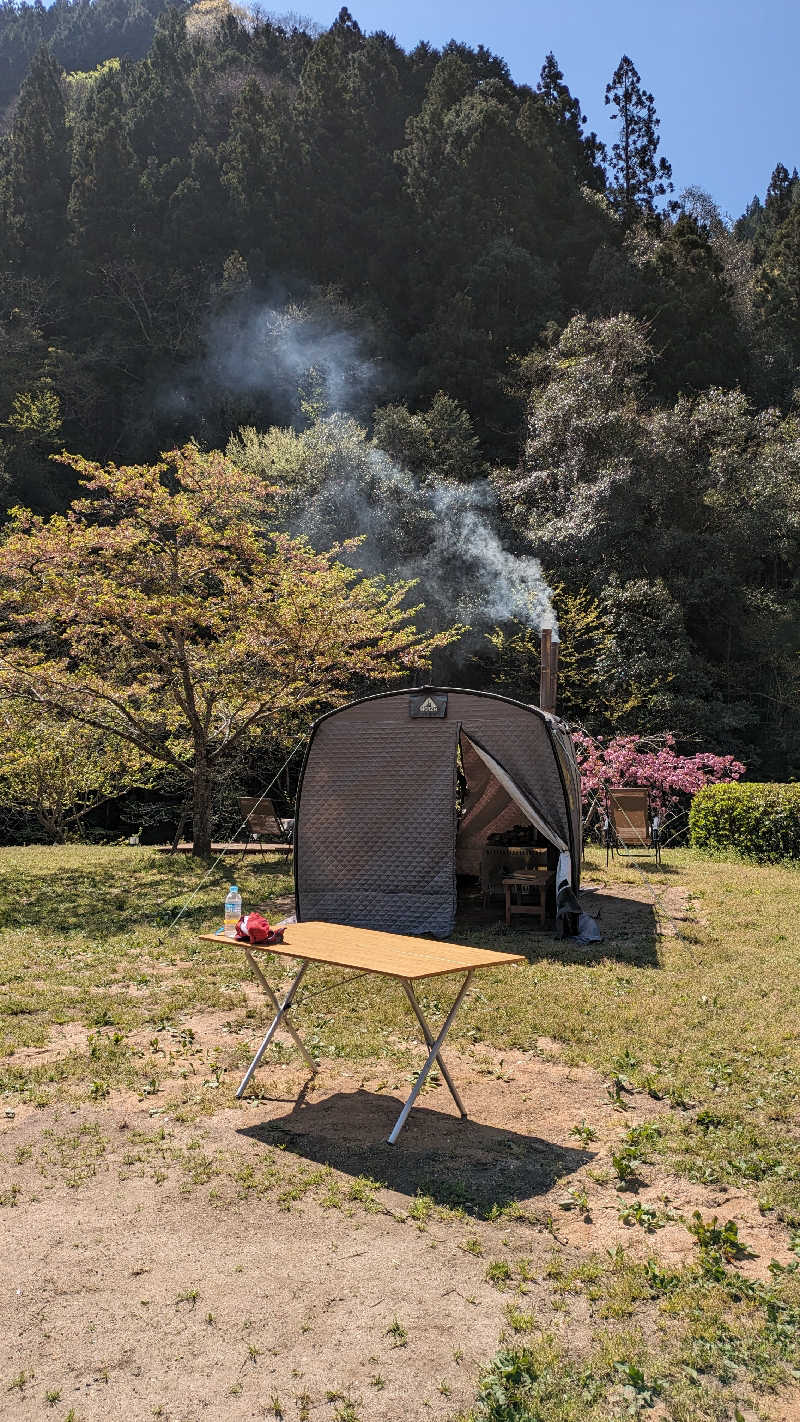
(724, 75)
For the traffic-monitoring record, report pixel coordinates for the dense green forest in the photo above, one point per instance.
(407, 278)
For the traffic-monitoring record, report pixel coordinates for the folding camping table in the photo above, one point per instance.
(367, 951)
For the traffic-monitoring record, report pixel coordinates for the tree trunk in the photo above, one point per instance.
(201, 808)
(184, 815)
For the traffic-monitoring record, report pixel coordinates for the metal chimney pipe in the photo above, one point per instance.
(544, 670)
(553, 676)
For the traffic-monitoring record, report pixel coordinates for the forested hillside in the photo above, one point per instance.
(78, 33)
(325, 249)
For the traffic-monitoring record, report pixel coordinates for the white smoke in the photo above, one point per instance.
(443, 534)
(288, 354)
(273, 360)
(502, 585)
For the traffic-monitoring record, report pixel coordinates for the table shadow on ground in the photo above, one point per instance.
(462, 1164)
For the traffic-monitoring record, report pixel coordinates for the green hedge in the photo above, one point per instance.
(759, 821)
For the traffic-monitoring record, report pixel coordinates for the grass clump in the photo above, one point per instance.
(532, 1382)
(633, 1152)
(717, 1239)
(715, 1335)
(397, 1333)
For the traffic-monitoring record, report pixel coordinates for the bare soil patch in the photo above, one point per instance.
(109, 1304)
(144, 1267)
(168, 1252)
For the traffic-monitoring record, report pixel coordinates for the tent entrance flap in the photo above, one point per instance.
(529, 811)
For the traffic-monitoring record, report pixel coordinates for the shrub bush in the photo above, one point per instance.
(759, 821)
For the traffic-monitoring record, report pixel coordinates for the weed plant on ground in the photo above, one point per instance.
(692, 1339)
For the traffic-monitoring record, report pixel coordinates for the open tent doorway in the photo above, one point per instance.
(386, 818)
(488, 842)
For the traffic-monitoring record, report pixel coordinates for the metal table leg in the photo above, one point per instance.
(280, 1016)
(432, 1057)
(428, 1035)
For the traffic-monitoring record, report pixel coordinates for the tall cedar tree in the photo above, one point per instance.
(38, 174)
(260, 160)
(588, 152)
(781, 278)
(105, 192)
(781, 193)
(638, 178)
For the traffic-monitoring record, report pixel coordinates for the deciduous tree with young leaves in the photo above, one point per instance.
(160, 611)
(54, 773)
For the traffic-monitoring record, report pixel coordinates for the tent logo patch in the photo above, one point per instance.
(428, 704)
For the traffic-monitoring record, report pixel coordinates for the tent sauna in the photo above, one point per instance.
(400, 792)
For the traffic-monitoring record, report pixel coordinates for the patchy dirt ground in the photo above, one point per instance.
(276, 1258)
(280, 1259)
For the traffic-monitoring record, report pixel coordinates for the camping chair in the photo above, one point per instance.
(631, 827)
(262, 820)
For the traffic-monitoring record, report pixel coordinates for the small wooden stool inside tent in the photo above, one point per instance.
(526, 893)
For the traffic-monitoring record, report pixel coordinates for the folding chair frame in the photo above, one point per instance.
(614, 844)
(257, 836)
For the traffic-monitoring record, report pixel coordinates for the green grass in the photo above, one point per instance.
(707, 1019)
(694, 1339)
(704, 1018)
(85, 938)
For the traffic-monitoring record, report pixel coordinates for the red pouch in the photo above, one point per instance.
(253, 928)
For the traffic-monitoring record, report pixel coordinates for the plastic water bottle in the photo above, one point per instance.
(233, 909)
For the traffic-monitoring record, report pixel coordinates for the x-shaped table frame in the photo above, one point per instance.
(434, 1043)
(367, 951)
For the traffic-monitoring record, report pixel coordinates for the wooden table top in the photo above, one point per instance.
(393, 954)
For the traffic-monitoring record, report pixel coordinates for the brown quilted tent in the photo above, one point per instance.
(378, 836)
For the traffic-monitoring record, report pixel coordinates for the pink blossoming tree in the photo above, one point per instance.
(648, 761)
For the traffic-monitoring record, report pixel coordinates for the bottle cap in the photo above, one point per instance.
(233, 889)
